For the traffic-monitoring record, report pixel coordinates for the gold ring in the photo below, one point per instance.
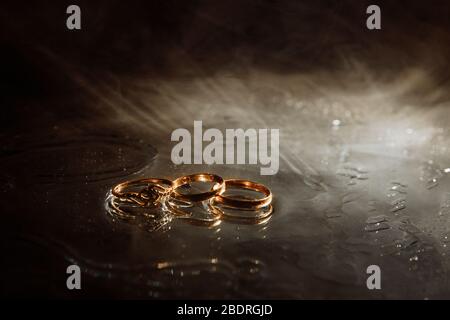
(245, 204)
(115, 211)
(155, 188)
(150, 222)
(218, 188)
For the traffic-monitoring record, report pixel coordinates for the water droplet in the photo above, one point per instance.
(333, 214)
(375, 227)
(398, 204)
(396, 183)
(376, 219)
(431, 173)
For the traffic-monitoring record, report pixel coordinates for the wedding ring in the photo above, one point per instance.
(148, 220)
(217, 189)
(245, 204)
(114, 210)
(137, 198)
(155, 188)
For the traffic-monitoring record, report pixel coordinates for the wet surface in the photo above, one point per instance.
(364, 174)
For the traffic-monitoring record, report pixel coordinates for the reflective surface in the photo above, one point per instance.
(364, 161)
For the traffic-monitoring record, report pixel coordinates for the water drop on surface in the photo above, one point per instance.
(377, 227)
(376, 219)
(336, 123)
(398, 205)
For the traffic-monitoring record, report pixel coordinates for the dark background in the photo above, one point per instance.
(59, 144)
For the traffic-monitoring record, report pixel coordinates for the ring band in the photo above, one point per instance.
(217, 189)
(140, 197)
(165, 195)
(115, 211)
(244, 203)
